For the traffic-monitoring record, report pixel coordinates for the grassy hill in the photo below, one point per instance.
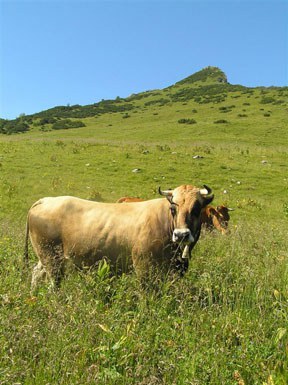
(226, 321)
(202, 103)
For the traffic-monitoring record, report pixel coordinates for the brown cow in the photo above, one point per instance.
(129, 200)
(216, 217)
(142, 235)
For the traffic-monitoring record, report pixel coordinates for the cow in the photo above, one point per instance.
(141, 235)
(216, 217)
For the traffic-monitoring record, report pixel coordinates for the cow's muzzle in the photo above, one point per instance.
(182, 236)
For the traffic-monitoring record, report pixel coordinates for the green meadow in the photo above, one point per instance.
(226, 321)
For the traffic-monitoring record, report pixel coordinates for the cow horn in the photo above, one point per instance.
(165, 193)
(206, 195)
(230, 209)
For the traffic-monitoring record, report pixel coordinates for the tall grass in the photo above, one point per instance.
(225, 322)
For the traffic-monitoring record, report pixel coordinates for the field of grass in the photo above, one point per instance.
(226, 321)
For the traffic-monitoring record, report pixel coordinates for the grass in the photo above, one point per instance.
(226, 321)
(227, 317)
(32, 169)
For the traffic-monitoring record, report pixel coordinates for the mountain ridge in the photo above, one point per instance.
(209, 85)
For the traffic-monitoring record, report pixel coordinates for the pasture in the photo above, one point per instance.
(225, 322)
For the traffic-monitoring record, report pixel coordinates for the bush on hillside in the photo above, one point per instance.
(64, 124)
(161, 102)
(221, 121)
(279, 101)
(142, 95)
(212, 93)
(13, 126)
(77, 111)
(187, 121)
(267, 100)
(227, 108)
(48, 120)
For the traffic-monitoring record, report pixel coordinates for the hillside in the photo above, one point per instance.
(203, 99)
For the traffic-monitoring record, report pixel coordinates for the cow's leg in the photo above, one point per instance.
(55, 266)
(56, 273)
(148, 269)
(38, 274)
(51, 263)
(140, 263)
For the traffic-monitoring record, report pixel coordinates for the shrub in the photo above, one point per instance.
(221, 121)
(48, 120)
(267, 100)
(64, 124)
(13, 126)
(161, 102)
(77, 111)
(187, 121)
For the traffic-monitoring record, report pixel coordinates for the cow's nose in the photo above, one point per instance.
(182, 235)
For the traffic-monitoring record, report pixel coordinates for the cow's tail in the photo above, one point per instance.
(26, 246)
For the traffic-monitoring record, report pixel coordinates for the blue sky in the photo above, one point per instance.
(59, 52)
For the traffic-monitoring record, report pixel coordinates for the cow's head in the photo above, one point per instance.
(186, 203)
(222, 213)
